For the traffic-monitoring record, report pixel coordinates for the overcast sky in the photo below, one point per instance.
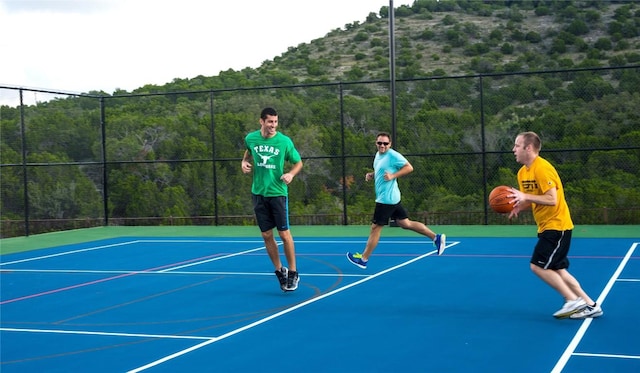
(104, 45)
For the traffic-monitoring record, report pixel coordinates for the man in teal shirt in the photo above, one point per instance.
(267, 151)
(388, 166)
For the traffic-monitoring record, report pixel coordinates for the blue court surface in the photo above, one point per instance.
(185, 304)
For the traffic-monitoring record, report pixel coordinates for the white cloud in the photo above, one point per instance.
(86, 45)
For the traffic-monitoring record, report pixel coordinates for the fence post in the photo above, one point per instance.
(213, 160)
(343, 158)
(484, 155)
(24, 167)
(105, 172)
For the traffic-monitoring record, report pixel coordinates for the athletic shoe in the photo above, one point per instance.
(282, 277)
(569, 308)
(356, 259)
(588, 311)
(440, 242)
(292, 281)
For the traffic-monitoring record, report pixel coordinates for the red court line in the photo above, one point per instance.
(105, 279)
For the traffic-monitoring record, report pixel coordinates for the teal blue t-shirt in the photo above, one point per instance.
(387, 192)
(269, 157)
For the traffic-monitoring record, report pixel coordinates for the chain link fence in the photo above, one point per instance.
(75, 161)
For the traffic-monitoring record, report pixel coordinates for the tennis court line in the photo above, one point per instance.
(68, 252)
(122, 244)
(608, 355)
(284, 312)
(213, 259)
(58, 331)
(195, 261)
(570, 350)
(204, 273)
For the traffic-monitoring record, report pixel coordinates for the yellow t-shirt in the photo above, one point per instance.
(538, 179)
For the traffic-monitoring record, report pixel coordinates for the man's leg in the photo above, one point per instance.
(372, 241)
(272, 249)
(416, 227)
(289, 249)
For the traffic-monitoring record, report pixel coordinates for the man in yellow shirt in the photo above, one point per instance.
(541, 189)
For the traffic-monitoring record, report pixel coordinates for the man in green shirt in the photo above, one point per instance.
(266, 152)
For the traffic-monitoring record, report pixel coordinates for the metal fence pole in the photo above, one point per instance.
(213, 157)
(392, 70)
(343, 158)
(105, 173)
(485, 177)
(25, 183)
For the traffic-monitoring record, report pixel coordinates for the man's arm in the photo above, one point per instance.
(522, 201)
(246, 162)
(288, 177)
(549, 198)
(405, 170)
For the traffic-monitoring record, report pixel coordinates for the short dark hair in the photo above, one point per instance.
(268, 111)
(531, 138)
(383, 134)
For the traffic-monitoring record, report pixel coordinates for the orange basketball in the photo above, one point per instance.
(499, 201)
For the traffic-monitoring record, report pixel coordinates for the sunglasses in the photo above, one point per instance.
(383, 143)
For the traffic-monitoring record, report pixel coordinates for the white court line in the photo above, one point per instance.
(191, 241)
(204, 273)
(208, 340)
(68, 252)
(585, 324)
(382, 241)
(122, 244)
(126, 274)
(608, 355)
(155, 240)
(187, 241)
(173, 269)
(212, 259)
(283, 312)
(54, 331)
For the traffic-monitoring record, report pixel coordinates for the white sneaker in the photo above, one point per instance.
(282, 274)
(292, 281)
(588, 311)
(570, 307)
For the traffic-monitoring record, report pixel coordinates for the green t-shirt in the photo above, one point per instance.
(269, 156)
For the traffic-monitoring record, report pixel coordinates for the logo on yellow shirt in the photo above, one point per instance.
(529, 185)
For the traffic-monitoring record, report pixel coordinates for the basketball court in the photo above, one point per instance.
(142, 301)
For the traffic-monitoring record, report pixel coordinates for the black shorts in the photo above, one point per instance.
(271, 212)
(552, 249)
(384, 212)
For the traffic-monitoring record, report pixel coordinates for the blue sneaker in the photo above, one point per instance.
(356, 259)
(440, 242)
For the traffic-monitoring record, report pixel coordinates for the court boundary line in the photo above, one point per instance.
(284, 312)
(608, 355)
(570, 350)
(167, 269)
(216, 258)
(68, 252)
(84, 332)
(205, 273)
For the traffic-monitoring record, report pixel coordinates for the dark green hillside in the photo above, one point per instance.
(451, 38)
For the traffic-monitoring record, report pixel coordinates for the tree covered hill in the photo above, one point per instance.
(473, 74)
(451, 37)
